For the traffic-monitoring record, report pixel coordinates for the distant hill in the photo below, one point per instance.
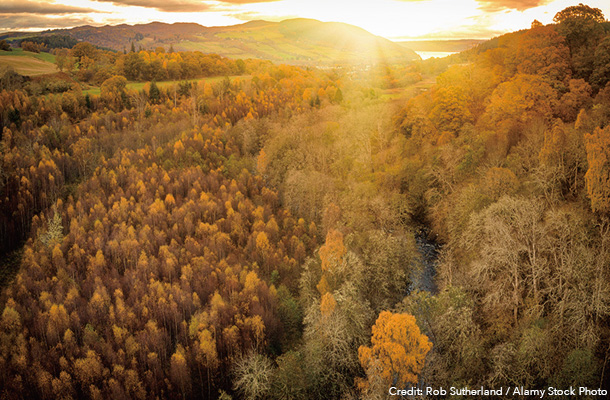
(441, 45)
(295, 41)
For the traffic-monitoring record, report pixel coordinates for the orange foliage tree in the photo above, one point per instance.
(333, 250)
(398, 350)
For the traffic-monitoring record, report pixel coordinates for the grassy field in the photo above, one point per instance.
(28, 63)
(20, 53)
(164, 84)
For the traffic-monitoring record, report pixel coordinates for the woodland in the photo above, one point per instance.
(256, 236)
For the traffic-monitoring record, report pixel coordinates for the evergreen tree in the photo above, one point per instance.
(153, 93)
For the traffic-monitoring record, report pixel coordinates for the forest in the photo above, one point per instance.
(258, 235)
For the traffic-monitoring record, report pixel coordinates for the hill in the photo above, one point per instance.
(28, 63)
(295, 41)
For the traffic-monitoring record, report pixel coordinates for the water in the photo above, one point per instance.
(438, 54)
(429, 250)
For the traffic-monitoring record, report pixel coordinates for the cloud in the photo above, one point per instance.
(165, 5)
(256, 16)
(181, 5)
(249, 1)
(519, 5)
(32, 21)
(463, 32)
(39, 7)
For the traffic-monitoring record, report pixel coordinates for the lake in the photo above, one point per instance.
(439, 54)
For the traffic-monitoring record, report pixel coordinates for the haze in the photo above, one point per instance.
(394, 19)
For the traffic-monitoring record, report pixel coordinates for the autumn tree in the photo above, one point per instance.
(331, 254)
(457, 355)
(598, 174)
(113, 92)
(253, 376)
(601, 70)
(522, 99)
(576, 99)
(64, 60)
(541, 51)
(83, 51)
(511, 267)
(398, 350)
(581, 26)
(450, 109)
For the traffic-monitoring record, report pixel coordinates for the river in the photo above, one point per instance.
(428, 249)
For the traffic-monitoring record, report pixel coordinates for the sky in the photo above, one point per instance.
(393, 19)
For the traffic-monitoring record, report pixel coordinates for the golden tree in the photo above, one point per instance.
(333, 250)
(398, 350)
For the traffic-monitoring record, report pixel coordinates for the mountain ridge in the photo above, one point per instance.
(294, 41)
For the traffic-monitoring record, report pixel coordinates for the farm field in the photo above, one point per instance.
(28, 63)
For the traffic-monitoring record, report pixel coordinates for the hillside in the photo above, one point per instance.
(27, 63)
(295, 41)
(309, 233)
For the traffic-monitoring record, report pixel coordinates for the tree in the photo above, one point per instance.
(33, 47)
(63, 60)
(253, 376)
(9, 78)
(500, 181)
(522, 99)
(541, 51)
(262, 161)
(457, 355)
(450, 111)
(133, 66)
(581, 26)
(241, 66)
(580, 11)
(88, 369)
(398, 350)
(54, 231)
(4, 46)
(598, 174)
(83, 51)
(179, 371)
(508, 240)
(153, 93)
(338, 96)
(576, 99)
(112, 90)
(288, 379)
(333, 250)
(601, 72)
